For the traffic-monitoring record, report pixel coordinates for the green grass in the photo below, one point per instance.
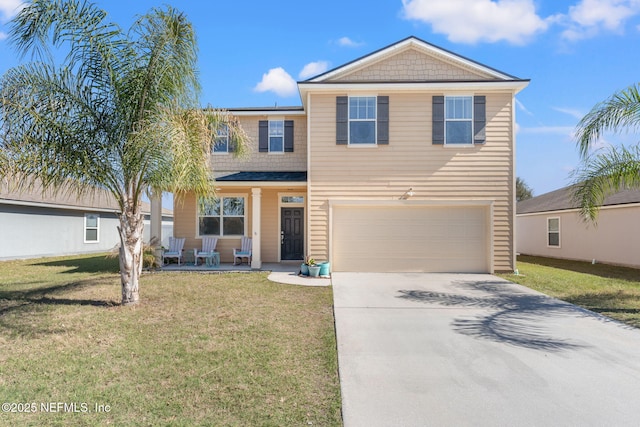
(606, 289)
(200, 349)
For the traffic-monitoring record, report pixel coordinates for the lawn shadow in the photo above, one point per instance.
(94, 264)
(18, 300)
(601, 270)
(514, 316)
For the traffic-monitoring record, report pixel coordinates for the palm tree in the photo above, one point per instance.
(605, 172)
(119, 113)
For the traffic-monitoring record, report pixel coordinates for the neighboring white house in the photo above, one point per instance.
(33, 224)
(550, 225)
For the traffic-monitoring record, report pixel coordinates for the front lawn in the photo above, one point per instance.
(609, 290)
(200, 349)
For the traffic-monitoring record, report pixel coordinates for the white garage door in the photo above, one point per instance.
(411, 238)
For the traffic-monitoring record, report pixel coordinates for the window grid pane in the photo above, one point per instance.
(91, 235)
(221, 139)
(459, 132)
(459, 120)
(222, 217)
(276, 136)
(362, 120)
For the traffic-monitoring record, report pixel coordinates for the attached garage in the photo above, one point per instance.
(411, 237)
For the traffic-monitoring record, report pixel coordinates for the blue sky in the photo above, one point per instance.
(576, 53)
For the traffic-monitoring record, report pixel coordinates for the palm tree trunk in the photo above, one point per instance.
(130, 231)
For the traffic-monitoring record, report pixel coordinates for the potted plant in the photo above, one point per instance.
(314, 269)
(304, 267)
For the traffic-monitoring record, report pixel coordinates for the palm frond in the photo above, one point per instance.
(603, 174)
(621, 111)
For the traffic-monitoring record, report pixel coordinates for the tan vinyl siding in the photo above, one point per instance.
(411, 65)
(266, 162)
(434, 172)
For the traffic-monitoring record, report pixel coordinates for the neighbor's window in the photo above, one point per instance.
(221, 139)
(553, 232)
(362, 120)
(459, 120)
(222, 217)
(91, 227)
(276, 136)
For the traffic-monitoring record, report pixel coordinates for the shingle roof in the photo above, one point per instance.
(562, 199)
(265, 176)
(100, 199)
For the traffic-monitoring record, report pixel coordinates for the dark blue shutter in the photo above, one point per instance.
(479, 119)
(288, 136)
(263, 136)
(437, 120)
(342, 120)
(383, 120)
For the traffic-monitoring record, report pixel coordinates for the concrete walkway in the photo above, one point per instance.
(475, 350)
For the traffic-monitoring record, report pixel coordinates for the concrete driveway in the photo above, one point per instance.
(476, 350)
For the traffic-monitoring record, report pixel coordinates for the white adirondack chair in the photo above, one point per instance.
(244, 251)
(208, 249)
(175, 249)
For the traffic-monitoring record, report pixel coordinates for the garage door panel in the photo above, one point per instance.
(410, 239)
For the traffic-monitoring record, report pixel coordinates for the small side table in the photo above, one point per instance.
(213, 259)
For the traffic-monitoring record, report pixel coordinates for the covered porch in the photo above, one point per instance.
(269, 207)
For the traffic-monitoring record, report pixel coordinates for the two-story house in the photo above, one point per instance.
(400, 161)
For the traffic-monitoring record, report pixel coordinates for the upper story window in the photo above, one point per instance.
(221, 139)
(222, 217)
(362, 120)
(458, 120)
(275, 136)
(91, 228)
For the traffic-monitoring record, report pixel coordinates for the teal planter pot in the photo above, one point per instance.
(325, 268)
(314, 270)
(304, 269)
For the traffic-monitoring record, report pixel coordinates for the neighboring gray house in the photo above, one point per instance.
(33, 224)
(550, 225)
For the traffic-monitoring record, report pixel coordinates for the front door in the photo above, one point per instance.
(292, 234)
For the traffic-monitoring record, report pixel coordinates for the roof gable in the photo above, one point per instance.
(412, 59)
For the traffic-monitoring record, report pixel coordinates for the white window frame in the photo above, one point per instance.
(221, 135)
(374, 120)
(269, 135)
(549, 245)
(87, 228)
(222, 216)
(446, 120)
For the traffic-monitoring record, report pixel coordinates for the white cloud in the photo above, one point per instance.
(313, 69)
(557, 130)
(277, 80)
(347, 42)
(472, 21)
(9, 9)
(576, 114)
(521, 107)
(3, 35)
(589, 17)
